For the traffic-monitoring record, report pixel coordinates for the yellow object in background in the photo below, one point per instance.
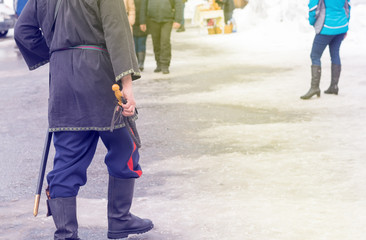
(211, 30)
(228, 28)
(240, 3)
(214, 5)
(218, 30)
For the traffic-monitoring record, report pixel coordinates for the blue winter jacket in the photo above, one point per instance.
(19, 5)
(329, 17)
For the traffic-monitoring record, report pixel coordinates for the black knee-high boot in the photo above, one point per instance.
(315, 81)
(141, 60)
(63, 211)
(121, 222)
(335, 74)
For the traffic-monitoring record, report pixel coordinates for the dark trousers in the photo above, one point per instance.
(321, 42)
(228, 15)
(75, 151)
(160, 34)
(182, 22)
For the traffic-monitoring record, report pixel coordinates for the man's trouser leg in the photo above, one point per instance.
(122, 161)
(140, 49)
(74, 152)
(165, 45)
(154, 29)
(63, 211)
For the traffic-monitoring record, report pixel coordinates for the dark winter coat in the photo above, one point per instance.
(161, 11)
(228, 7)
(81, 96)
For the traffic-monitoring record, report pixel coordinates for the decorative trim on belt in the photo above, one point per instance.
(91, 47)
(87, 47)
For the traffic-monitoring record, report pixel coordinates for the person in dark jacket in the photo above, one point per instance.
(228, 7)
(159, 17)
(139, 37)
(89, 46)
(330, 19)
(182, 28)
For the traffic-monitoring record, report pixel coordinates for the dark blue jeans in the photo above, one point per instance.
(140, 43)
(321, 42)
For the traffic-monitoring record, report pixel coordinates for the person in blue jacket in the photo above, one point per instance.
(19, 5)
(330, 19)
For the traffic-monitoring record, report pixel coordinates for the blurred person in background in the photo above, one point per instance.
(228, 7)
(89, 47)
(182, 28)
(139, 38)
(160, 16)
(330, 19)
(131, 11)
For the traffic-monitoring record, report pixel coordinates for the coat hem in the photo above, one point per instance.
(99, 129)
(79, 129)
(38, 65)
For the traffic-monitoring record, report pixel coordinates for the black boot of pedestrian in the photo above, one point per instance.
(181, 28)
(315, 81)
(335, 74)
(157, 69)
(141, 60)
(63, 211)
(121, 222)
(165, 70)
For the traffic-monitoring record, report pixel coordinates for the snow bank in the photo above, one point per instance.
(267, 14)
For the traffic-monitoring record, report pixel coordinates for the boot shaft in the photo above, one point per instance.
(121, 222)
(141, 57)
(63, 211)
(315, 81)
(120, 195)
(335, 74)
(141, 60)
(316, 72)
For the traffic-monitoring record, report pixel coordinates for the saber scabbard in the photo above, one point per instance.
(42, 171)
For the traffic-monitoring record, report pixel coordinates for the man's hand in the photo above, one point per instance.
(127, 93)
(176, 25)
(143, 27)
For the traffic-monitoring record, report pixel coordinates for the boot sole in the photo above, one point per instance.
(117, 235)
(310, 96)
(335, 93)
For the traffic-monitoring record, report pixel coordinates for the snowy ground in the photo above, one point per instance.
(230, 151)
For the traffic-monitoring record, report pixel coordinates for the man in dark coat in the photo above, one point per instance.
(89, 46)
(159, 17)
(228, 6)
(139, 37)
